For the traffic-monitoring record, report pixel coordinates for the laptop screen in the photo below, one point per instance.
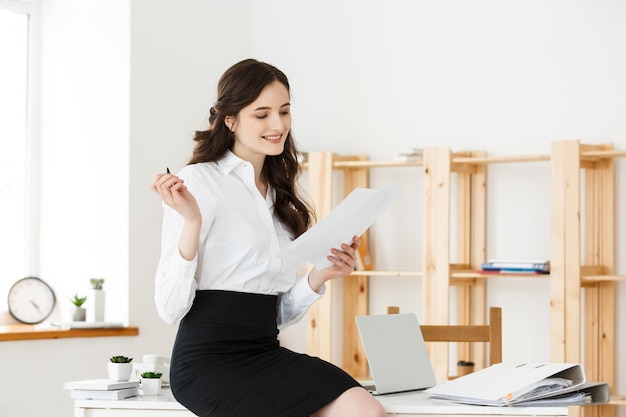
(396, 352)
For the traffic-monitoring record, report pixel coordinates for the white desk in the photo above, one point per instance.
(413, 404)
(407, 405)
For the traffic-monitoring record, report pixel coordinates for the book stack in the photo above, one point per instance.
(102, 389)
(523, 267)
(413, 154)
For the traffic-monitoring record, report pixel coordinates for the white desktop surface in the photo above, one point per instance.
(419, 404)
(410, 404)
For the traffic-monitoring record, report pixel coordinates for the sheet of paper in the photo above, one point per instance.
(352, 217)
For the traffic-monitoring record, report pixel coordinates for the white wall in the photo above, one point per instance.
(372, 77)
(377, 78)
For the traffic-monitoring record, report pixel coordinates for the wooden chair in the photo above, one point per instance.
(490, 333)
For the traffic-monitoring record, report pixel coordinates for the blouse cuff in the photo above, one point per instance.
(303, 291)
(182, 267)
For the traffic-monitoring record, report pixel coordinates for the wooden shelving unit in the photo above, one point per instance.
(579, 174)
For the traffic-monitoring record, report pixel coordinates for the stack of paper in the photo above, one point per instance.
(413, 154)
(524, 384)
(352, 217)
(102, 389)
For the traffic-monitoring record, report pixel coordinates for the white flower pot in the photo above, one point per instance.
(95, 305)
(119, 371)
(79, 314)
(151, 386)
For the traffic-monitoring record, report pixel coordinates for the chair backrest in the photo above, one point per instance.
(490, 333)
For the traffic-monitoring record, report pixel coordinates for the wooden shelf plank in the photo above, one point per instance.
(499, 159)
(606, 153)
(373, 273)
(376, 164)
(618, 400)
(34, 332)
(478, 274)
(588, 155)
(602, 278)
(371, 164)
(469, 274)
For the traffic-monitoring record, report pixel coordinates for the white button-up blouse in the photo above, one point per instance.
(239, 246)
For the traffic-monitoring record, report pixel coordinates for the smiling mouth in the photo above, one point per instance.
(272, 138)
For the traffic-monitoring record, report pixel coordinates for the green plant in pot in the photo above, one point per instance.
(151, 375)
(79, 313)
(120, 359)
(96, 283)
(120, 368)
(151, 382)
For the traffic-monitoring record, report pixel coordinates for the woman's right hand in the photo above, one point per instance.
(343, 261)
(175, 194)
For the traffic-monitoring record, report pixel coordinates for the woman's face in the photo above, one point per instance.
(262, 127)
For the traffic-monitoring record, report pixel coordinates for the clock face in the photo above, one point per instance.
(31, 300)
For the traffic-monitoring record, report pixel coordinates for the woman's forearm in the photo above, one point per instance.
(189, 238)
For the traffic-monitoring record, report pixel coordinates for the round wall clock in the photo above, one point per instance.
(31, 300)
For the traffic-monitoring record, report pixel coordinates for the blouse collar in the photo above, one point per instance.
(229, 162)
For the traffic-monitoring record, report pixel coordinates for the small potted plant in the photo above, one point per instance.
(97, 295)
(96, 283)
(151, 383)
(79, 313)
(120, 368)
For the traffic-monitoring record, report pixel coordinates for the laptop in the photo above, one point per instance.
(396, 353)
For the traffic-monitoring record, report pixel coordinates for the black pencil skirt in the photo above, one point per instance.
(227, 362)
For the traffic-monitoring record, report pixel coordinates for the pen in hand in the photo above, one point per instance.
(167, 170)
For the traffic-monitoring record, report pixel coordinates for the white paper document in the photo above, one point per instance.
(352, 217)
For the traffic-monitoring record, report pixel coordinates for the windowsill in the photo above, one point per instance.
(33, 332)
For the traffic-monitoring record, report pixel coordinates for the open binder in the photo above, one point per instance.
(527, 384)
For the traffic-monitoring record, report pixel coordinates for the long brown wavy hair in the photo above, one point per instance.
(238, 87)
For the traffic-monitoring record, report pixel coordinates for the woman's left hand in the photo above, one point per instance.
(343, 261)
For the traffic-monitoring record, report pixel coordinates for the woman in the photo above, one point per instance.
(227, 215)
